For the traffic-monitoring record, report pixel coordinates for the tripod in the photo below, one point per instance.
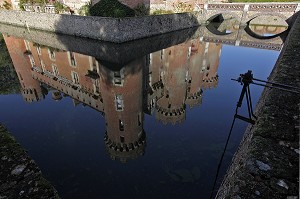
(247, 79)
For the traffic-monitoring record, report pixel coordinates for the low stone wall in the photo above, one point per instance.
(266, 165)
(102, 28)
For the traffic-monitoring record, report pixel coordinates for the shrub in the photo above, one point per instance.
(182, 7)
(141, 10)
(58, 7)
(161, 12)
(85, 10)
(111, 8)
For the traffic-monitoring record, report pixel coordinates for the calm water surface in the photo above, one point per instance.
(153, 127)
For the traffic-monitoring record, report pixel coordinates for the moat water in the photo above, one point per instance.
(150, 126)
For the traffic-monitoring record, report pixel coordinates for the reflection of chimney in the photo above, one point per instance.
(170, 108)
(20, 54)
(122, 93)
(211, 77)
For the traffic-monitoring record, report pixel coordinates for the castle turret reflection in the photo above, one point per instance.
(122, 92)
(162, 83)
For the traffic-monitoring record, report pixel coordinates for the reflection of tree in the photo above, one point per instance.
(8, 78)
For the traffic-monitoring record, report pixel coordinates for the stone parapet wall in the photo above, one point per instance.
(102, 28)
(119, 30)
(266, 165)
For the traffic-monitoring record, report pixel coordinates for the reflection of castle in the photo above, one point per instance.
(177, 76)
(122, 93)
(173, 79)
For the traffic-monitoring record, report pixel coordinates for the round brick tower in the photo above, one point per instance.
(122, 93)
(170, 108)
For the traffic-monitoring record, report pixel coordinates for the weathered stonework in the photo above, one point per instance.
(119, 30)
(102, 28)
(19, 175)
(266, 164)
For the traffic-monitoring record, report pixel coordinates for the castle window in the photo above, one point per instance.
(55, 70)
(118, 78)
(72, 60)
(43, 66)
(75, 77)
(39, 50)
(51, 54)
(190, 51)
(119, 102)
(121, 125)
(31, 61)
(122, 139)
(93, 63)
(27, 45)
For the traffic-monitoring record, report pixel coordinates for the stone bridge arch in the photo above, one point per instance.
(225, 14)
(244, 12)
(283, 10)
(226, 10)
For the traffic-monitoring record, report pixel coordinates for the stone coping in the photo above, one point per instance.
(266, 164)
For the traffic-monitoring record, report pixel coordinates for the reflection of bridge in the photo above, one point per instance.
(249, 11)
(239, 37)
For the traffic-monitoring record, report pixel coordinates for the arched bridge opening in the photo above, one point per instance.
(257, 28)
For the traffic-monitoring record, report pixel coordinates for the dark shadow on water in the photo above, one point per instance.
(214, 28)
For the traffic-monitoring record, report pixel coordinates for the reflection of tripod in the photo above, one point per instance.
(245, 80)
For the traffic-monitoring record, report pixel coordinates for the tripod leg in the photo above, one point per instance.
(251, 108)
(244, 90)
(248, 103)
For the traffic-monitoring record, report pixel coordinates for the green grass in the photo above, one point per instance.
(162, 12)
